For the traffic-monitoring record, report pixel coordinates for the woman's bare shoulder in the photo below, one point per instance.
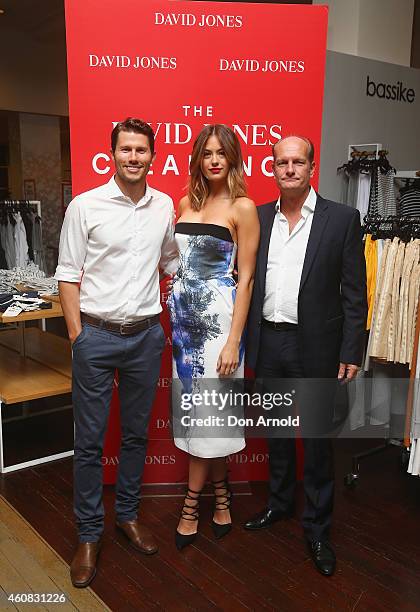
(244, 204)
(184, 204)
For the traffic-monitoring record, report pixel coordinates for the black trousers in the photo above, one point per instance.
(279, 358)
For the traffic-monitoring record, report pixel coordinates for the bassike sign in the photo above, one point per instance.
(396, 92)
(181, 65)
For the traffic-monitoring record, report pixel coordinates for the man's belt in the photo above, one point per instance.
(280, 326)
(125, 329)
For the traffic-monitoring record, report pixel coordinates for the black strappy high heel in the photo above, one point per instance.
(221, 485)
(183, 540)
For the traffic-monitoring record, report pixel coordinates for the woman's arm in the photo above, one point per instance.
(248, 236)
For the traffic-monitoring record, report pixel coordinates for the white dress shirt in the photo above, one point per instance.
(286, 255)
(115, 248)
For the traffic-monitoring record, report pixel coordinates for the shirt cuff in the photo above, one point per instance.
(68, 275)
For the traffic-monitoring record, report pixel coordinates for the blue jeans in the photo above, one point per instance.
(97, 354)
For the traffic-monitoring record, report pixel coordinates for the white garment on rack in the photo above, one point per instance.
(21, 243)
(356, 395)
(380, 409)
(363, 193)
(414, 463)
(389, 396)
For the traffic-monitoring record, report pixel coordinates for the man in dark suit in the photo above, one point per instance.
(306, 320)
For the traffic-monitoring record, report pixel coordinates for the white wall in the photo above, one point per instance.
(385, 30)
(350, 116)
(376, 29)
(343, 25)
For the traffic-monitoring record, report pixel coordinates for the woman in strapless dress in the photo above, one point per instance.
(217, 228)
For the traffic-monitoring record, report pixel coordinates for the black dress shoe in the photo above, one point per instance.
(323, 556)
(265, 518)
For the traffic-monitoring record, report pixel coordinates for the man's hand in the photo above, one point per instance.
(73, 337)
(347, 372)
(70, 303)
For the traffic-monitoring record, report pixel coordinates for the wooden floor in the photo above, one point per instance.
(376, 536)
(29, 565)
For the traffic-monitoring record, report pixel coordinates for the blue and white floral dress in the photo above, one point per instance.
(201, 309)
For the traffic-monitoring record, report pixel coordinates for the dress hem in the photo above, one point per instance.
(206, 456)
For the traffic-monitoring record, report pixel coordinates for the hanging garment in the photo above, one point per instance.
(27, 219)
(395, 303)
(37, 245)
(410, 264)
(8, 242)
(413, 305)
(356, 401)
(383, 249)
(382, 199)
(373, 196)
(3, 261)
(21, 243)
(379, 346)
(363, 192)
(350, 189)
(409, 202)
(404, 290)
(414, 463)
(389, 397)
(371, 257)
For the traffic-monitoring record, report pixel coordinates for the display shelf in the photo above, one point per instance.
(45, 348)
(34, 364)
(23, 379)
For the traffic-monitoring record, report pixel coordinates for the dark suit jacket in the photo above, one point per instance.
(332, 304)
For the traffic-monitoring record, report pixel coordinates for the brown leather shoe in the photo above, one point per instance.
(140, 537)
(83, 566)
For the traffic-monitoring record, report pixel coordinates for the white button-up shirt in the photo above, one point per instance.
(114, 249)
(286, 255)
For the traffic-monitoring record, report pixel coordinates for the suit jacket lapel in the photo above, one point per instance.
(318, 225)
(266, 227)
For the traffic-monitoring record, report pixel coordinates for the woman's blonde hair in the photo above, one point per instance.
(198, 187)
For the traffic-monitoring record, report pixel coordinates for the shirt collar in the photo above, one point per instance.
(308, 206)
(115, 192)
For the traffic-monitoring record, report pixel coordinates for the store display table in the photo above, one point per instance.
(36, 315)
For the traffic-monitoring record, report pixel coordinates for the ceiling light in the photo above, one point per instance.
(2, 11)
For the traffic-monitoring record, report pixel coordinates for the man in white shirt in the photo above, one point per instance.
(114, 240)
(306, 321)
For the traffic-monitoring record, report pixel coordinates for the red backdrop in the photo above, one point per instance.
(179, 65)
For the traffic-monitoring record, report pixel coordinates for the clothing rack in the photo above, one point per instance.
(362, 159)
(35, 204)
(398, 226)
(8, 208)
